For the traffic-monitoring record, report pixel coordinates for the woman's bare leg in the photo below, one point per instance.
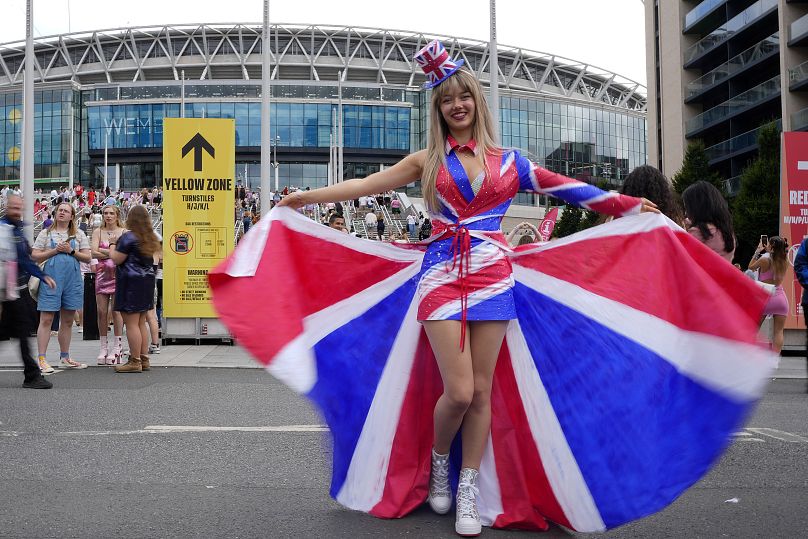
(133, 333)
(103, 308)
(117, 319)
(778, 325)
(65, 330)
(486, 342)
(458, 379)
(43, 331)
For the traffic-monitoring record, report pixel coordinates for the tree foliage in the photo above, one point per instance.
(695, 167)
(568, 223)
(757, 206)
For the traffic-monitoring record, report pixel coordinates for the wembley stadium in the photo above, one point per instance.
(103, 95)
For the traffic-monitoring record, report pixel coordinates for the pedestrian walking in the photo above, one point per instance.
(801, 272)
(411, 224)
(108, 233)
(18, 318)
(134, 253)
(62, 247)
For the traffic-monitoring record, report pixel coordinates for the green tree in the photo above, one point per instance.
(757, 206)
(568, 222)
(590, 218)
(695, 167)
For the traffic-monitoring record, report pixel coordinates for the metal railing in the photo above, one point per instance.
(751, 55)
(734, 144)
(798, 74)
(799, 120)
(695, 14)
(799, 28)
(751, 97)
(728, 29)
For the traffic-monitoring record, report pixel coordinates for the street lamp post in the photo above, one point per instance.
(27, 163)
(266, 141)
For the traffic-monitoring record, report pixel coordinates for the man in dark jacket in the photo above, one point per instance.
(19, 315)
(801, 271)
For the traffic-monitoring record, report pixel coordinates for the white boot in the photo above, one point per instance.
(114, 356)
(468, 522)
(440, 495)
(102, 355)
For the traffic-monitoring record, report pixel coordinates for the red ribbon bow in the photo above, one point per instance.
(461, 258)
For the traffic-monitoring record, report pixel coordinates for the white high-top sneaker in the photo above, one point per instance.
(440, 495)
(115, 355)
(468, 522)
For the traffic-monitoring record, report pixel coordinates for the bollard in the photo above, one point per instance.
(90, 309)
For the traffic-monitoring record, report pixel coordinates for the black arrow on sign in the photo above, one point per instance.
(197, 144)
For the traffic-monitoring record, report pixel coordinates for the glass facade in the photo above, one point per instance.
(294, 125)
(589, 142)
(52, 123)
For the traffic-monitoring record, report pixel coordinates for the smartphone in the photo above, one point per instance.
(764, 239)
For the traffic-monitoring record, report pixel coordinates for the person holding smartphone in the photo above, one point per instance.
(61, 246)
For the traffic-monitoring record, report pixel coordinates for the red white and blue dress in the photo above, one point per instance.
(608, 372)
(466, 273)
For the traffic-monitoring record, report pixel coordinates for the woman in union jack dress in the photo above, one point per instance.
(585, 356)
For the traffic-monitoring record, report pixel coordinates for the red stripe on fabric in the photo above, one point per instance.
(496, 189)
(298, 275)
(449, 292)
(606, 265)
(407, 483)
(526, 494)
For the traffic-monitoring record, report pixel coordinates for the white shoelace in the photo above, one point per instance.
(467, 500)
(440, 478)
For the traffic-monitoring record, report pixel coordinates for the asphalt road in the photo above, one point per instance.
(79, 461)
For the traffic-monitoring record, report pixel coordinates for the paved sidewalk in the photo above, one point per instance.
(177, 355)
(233, 356)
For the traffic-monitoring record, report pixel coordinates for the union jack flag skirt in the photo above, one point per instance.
(631, 362)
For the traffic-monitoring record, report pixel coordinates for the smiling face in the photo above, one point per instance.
(458, 109)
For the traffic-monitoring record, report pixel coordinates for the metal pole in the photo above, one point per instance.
(72, 142)
(275, 163)
(330, 156)
(27, 163)
(340, 137)
(106, 169)
(266, 133)
(182, 94)
(494, 70)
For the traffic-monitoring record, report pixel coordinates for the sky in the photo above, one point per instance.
(609, 34)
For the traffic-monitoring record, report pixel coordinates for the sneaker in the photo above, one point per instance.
(44, 367)
(67, 363)
(154, 349)
(468, 522)
(440, 495)
(81, 330)
(37, 383)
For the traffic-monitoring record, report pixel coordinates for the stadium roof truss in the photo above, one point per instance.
(300, 52)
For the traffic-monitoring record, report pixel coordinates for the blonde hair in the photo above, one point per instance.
(482, 131)
(71, 226)
(118, 222)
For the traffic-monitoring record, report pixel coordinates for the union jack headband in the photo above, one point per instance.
(436, 63)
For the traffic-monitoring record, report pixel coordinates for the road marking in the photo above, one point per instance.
(174, 429)
(200, 428)
(779, 435)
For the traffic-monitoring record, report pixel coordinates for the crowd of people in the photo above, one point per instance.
(90, 243)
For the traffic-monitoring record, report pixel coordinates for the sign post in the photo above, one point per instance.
(199, 162)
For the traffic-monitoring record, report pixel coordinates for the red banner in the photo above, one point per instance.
(548, 224)
(794, 214)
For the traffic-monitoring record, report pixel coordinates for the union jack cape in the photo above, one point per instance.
(632, 340)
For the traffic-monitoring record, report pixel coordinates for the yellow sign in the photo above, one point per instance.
(199, 161)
